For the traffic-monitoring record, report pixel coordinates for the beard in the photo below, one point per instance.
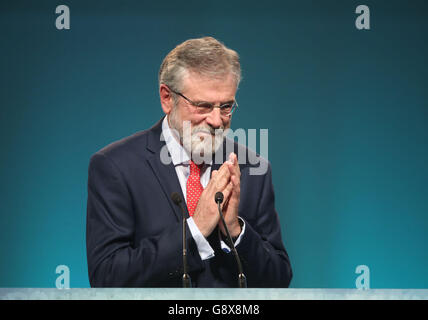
(201, 142)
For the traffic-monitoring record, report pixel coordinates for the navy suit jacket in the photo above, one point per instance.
(134, 233)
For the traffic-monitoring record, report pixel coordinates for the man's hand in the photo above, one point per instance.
(227, 180)
(231, 203)
(206, 216)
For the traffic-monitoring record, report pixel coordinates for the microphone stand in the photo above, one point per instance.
(242, 279)
(187, 281)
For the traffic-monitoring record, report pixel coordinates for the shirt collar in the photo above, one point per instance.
(178, 154)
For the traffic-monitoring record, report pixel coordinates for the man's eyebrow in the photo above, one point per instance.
(221, 103)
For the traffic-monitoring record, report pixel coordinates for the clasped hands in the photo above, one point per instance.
(227, 179)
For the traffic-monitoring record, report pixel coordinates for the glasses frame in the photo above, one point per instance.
(198, 104)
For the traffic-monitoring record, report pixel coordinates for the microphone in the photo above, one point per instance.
(242, 280)
(187, 282)
(219, 197)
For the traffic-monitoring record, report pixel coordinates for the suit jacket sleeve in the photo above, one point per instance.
(114, 260)
(262, 252)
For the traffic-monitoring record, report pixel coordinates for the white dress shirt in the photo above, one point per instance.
(181, 160)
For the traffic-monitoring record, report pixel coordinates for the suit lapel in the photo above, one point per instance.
(165, 173)
(216, 164)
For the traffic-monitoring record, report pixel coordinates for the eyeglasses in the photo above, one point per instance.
(206, 107)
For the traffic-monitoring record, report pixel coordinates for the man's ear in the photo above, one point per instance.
(166, 99)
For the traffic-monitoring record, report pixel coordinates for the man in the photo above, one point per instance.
(134, 234)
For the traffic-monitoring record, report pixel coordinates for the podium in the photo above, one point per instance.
(209, 294)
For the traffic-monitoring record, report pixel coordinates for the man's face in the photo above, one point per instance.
(207, 130)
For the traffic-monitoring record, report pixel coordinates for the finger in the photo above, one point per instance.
(233, 159)
(238, 169)
(216, 174)
(234, 170)
(218, 181)
(227, 191)
(222, 177)
(235, 181)
(236, 187)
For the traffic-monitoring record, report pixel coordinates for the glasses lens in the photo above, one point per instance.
(226, 109)
(205, 107)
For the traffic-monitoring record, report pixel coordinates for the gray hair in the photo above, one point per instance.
(204, 56)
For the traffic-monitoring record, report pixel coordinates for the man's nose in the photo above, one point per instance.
(214, 118)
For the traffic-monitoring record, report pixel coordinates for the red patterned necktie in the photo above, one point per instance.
(193, 187)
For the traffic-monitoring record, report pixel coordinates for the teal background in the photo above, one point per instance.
(346, 110)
